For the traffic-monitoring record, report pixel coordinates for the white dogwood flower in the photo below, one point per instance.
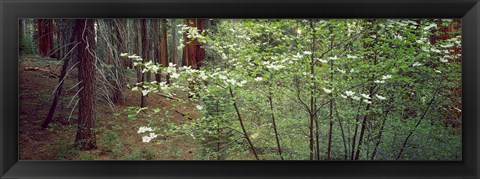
(144, 129)
(417, 64)
(367, 101)
(386, 77)
(327, 90)
(380, 97)
(349, 93)
(365, 96)
(333, 58)
(149, 137)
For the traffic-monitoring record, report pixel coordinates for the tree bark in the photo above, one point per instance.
(312, 93)
(59, 89)
(417, 124)
(277, 139)
(119, 82)
(342, 130)
(157, 48)
(330, 130)
(174, 42)
(362, 132)
(85, 138)
(45, 36)
(164, 47)
(240, 119)
(137, 49)
(145, 50)
(382, 126)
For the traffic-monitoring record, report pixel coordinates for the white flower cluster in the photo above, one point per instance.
(149, 137)
(351, 56)
(333, 58)
(428, 27)
(416, 64)
(328, 91)
(229, 80)
(384, 77)
(193, 33)
(350, 94)
(275, 67)
(380, 97)
(367, 99)
(144, 129)
(258, 79)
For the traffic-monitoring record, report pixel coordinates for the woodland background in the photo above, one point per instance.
(240, 89)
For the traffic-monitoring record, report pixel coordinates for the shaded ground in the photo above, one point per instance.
(117, 136)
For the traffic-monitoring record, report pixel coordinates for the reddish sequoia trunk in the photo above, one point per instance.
(200, 56)
(45, 36)
(446, 32)
(85, 138)
(192, 47)
(156, 44)
(145, 51)
(163, 46)
(193, 53)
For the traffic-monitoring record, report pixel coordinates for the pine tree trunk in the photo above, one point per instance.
(164, 47)
(174, 43)
(137, 50)
(145, 51)
(85, 138)
(59, 89)
(119, 66)
(156, 48)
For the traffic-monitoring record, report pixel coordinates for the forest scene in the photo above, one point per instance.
(240, 89)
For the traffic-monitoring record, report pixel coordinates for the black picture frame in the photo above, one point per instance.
(11, 10)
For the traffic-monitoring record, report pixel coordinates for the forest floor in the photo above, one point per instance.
(117, 137)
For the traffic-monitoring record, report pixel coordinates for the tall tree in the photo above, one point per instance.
(45, 36)
(66, 59)
(174, 42)
(193, 53)
(120, 81)
(84, 36)
(145, 52)
(163, 46)
(156, 48)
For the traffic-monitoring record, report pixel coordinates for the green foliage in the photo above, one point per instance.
(383, 73)
(141, 154)
(64, 149)
(27, 46)
(110, 140)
